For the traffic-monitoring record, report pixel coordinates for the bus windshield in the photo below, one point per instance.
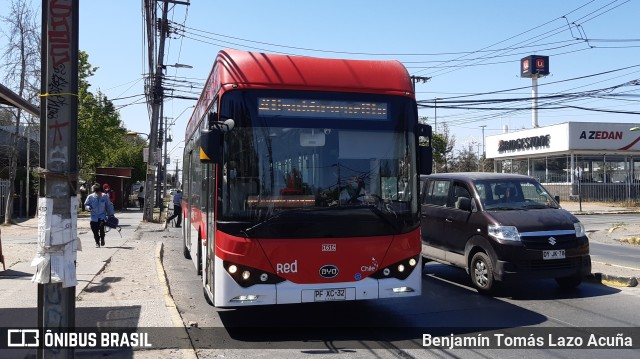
(293, 156)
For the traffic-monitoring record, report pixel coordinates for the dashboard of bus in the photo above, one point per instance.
(304, 164)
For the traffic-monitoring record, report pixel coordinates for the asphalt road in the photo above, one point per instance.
(394, 328)
(621, 254)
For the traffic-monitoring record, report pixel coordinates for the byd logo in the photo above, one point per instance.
(328, 271)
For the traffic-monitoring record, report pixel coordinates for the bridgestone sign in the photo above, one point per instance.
(524, 143)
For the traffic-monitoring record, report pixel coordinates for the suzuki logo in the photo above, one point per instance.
(328, 271)
(552, 241)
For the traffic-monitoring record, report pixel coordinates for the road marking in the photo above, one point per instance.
(615, 265)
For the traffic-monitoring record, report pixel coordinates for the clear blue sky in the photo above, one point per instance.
(467, 47)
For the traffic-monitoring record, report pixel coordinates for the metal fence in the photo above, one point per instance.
(596, 192)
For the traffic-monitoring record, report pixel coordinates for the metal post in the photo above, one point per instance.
(435, 129)
(484, 152)
(157, 97)
(534, 101)
(58, 136)
(28, 131)
(160, 161)
(164, 159)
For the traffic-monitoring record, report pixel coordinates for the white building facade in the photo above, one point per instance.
(598, 161)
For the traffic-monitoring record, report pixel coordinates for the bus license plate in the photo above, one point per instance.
(326, 295)
(553, 254)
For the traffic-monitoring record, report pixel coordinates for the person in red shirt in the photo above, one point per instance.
(107, 190)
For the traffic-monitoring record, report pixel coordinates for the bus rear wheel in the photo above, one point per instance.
(185, 250)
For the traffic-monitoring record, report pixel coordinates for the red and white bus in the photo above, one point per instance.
(300, 181)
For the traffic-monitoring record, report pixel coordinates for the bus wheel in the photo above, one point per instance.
(185, 250)
(199, 256)
(206, 296)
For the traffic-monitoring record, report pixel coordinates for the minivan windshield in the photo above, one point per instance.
(513, 194)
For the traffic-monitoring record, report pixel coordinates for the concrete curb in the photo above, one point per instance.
(612, 280)
(171, 305)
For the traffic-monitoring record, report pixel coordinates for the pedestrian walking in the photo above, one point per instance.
(100, 206)
(107, 190)
(141, 197)
(177, 209)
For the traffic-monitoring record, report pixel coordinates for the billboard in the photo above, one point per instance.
(534, 66)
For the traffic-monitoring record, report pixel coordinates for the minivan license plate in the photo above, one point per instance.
(553, 254)
(324, 295)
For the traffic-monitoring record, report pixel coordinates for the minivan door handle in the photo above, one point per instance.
(448, 220)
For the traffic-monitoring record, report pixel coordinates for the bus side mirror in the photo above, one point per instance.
(211, 146)
(425, 159)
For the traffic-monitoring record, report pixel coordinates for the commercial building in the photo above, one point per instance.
(598, 161)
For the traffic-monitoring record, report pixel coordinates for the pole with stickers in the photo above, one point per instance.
(58, 203)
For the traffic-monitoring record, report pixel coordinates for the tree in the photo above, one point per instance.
(467, 159)
(21, 61)
(443, 146)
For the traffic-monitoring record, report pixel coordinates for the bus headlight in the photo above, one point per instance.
(247, 276)
(399, 270)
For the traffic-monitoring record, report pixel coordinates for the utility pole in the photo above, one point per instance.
(177, 178)
(484, 153)
(415, 79)
(58, 201)
(156, 104)
(164, 157)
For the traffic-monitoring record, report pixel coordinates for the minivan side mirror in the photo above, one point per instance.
(464, 204)
(557, 198)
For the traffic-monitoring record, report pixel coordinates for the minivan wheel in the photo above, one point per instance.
(481, 272)
(569, 282)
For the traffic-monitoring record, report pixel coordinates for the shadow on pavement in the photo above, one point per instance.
(536, 289)
(384, 324)
(14, 273)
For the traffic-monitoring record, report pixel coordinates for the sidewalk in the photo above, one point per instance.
(576, 207)
(120, 285)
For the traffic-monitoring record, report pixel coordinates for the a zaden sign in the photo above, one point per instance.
(525, 143)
